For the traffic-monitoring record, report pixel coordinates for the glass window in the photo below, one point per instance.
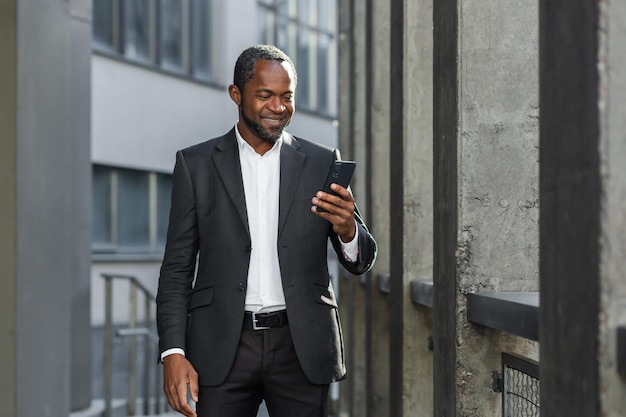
(323, 70)
(103, 24)
(306, 30)
(303, 59)
(266, 26)
(171, 34)
(164, 192)
(130, 210)
(137, 29)
(201, 38)
(102, 220)
(133, 209)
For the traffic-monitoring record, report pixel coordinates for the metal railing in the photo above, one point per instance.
(131, 332)
(520, 393)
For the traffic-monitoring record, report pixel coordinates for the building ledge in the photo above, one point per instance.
(422, 293)
(512, 312)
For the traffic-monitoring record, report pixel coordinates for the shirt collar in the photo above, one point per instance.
(245, 145)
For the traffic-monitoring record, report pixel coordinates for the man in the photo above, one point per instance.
(260, 321)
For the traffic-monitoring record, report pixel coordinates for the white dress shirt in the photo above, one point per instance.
(261, 183)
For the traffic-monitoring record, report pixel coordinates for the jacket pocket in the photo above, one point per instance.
(202, 297)
(325, 295)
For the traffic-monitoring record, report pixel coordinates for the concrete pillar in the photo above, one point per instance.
(81, 212)
(44, 228)
(377, 141)
(612, 102)
(411, 202)
(352, 128)
(486, 188)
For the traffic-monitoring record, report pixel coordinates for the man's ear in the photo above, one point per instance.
(235, 94)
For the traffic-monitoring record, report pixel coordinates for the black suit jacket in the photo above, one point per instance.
(209, 224)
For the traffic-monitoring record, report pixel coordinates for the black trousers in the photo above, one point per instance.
(265, 368)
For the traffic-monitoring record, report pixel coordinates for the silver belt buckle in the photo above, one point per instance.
(254, 322)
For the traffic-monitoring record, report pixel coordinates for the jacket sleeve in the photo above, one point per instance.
(179, 261)
(367, 248)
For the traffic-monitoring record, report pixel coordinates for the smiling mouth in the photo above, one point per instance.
(272, 121)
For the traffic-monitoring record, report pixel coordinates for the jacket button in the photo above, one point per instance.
(248, 248)
(241, 286)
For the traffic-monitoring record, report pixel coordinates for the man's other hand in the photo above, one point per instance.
(178, 376)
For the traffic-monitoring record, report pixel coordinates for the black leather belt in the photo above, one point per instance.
(264, 321)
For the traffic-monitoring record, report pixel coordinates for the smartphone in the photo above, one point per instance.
(340, 173)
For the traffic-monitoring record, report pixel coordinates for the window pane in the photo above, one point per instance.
(323, 79)
(201, 38)
(303, 65)
(133, 209)
(101, 206)
(327, 16)
(171, 34)
(103, 24)
(282, 7)
(304, 15)
(137, 29)
(306, 30)
(164, 192)
(266, 26)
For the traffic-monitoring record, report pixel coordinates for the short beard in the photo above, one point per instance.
(270, 136)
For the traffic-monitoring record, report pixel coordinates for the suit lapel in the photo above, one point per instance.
(229, 168)
(291, 163)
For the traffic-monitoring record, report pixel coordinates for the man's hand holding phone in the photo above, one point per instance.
(335, 202)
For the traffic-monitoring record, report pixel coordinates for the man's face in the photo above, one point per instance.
(266, 102)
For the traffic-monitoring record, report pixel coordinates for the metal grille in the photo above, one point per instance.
(520, 397)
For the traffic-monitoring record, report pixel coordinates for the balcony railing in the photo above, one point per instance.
(131, 332)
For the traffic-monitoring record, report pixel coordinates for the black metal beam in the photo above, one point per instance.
(570, 195)
(445, 203)
(396, 208)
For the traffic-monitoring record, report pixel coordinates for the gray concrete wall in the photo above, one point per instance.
(45, 250)
(494, 188)
(498, 176)
(613, 215)
(417, 229)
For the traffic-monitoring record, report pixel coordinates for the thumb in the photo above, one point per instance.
(193, 388)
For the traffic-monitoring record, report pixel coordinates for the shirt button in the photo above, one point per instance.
(241, 286)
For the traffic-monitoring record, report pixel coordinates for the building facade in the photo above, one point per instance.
(160, 72)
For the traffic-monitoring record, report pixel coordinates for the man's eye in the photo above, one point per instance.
(263, 97)
(288, 98)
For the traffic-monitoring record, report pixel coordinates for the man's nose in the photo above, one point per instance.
(277, 106)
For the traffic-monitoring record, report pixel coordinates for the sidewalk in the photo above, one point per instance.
(119, 410)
